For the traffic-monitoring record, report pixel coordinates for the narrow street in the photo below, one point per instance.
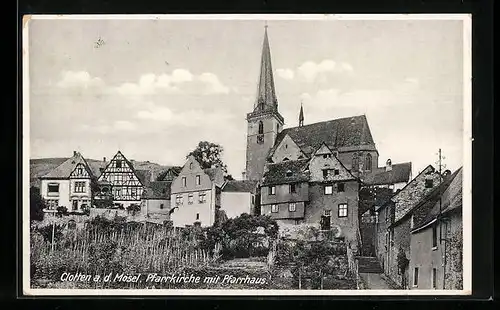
(375, 281)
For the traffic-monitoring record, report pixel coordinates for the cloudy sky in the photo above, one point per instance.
(154, 88)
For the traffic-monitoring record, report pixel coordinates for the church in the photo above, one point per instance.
(311, 174)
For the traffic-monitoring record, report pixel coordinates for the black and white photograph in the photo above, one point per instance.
(247, 155)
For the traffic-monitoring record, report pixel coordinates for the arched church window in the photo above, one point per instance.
(368, 162)
(261, 127)
(355, 162)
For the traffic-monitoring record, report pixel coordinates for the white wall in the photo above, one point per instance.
(236, 203)
(63, 196)
(185, 214)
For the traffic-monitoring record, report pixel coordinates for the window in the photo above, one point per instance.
(198, 180)
(429, 183)
(291, 207)
(328, 189)
(434, 236)
(53, 189)
(161, 206)
(368, 162)
(261, 127)
(274, 208)
(79, 187)
(118, 164)
(190, 199)
(253, 199)
(327, 155)
(197, 216)
(79, 170)
(52, 204)
(293, 189)
(434, 276)
(340, 187)
(326, 221)
(260, 139)
(286, 159)
(336, 171)
(412, 222)
(342, 210)
(272, 190)
(286, 146)
(202, 197)
(288, 172)
(184, 181)
(415, 276)
(325, 173)
(178, 200)
(355, 162)
(190, 165)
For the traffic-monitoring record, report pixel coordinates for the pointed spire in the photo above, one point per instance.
(266, 94)
(301, 115)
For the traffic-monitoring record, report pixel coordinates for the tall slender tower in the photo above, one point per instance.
(301, 116)
(264, 122)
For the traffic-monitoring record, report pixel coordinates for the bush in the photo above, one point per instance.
(36, 204)
(134, 208)
(46, 232)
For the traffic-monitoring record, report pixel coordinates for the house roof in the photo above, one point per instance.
(337, 133)
(157, 190)
(175, 171)
(400, 173)
(245, 186)
(277, 173)
(64, 170)
(143, 175)
(453, 200)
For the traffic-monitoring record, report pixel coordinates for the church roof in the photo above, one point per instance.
(242, 186)
(338, 133)
(64, 170)
(286, 172)
(400, 173)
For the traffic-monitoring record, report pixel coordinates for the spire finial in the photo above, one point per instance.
(265, 24)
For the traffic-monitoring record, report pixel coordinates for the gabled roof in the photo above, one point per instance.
(144, 175)
(429, 204)
(400, 173)
(174, 171)
(64, 170)
(338, 133)
(277, 173)
(157, 190)
(244, 186)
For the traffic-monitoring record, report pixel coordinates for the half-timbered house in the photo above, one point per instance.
(120, 181)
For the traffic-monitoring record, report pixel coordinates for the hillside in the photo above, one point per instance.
(42, 166)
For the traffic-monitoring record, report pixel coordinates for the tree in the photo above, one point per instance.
(36, 204)
(209, 155)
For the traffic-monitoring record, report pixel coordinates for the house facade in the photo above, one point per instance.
(196, 194)
(120, 182)
(238, 197)
(69, 185)
(394, 222)
(436, 239)
(155, 202)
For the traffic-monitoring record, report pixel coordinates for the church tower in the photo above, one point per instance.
(264, 122)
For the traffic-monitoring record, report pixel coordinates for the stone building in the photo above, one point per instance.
(281, 159)
(436, 238)
(394, 221)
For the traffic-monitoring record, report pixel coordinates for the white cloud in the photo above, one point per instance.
(105, 128)
(79, 79)
(178, 81)
(212, 84)
(310, 70)
(286, 74)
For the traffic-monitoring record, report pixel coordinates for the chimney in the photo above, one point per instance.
(388, 165)
(244, 175)
(104, 159)
(74, 153)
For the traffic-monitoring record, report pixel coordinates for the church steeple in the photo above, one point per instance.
(301, 115)
(266, 93)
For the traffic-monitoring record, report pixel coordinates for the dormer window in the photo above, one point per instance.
(289, 173)
(429, 183)
(286, 159)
